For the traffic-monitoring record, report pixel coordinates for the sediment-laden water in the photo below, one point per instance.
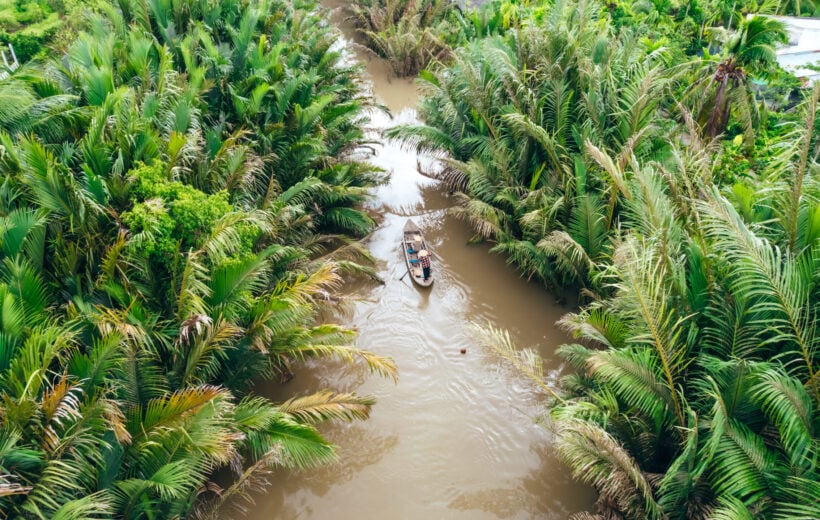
(456, 437)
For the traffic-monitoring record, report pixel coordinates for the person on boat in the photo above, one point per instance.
(424, 262)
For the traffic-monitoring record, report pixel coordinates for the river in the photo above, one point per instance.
(456, 437)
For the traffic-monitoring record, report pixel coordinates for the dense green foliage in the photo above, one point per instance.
(171, 191)
(696, 393)
(601, 157)
(35, 27)
(407, 33)
(178, 188)
(516, 116)
(412, 35)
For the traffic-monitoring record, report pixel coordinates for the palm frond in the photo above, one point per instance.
(383, 366)
(596, 325)
(731, 508)
(525, 361)
(800, 501)
(326, 405)
(96, 505)
(644, 294)
(790, 407)
(596, 458)
(636, 376)
(778, 289)
(193, 288)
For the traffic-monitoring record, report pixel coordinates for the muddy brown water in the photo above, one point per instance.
(456, 437)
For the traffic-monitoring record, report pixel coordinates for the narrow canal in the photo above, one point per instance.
(456, 437)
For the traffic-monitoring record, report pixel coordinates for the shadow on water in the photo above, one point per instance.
(455, 438)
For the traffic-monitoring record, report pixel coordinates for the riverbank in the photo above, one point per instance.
(456, 437)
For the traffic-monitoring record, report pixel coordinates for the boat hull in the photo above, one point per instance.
(412, 242)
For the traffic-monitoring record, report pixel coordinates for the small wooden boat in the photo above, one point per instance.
(412, 243)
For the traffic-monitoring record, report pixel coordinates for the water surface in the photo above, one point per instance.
(455, 438)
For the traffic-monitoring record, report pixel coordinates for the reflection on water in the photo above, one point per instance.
(523, 497)
(455, 438)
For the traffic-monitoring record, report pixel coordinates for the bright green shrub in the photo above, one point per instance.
(192, 211)
(150, 180)
(195, 212)
(33, 27)
(30, 13)
(26, 46)
(8, 22)
(45, 26)
(152, 218)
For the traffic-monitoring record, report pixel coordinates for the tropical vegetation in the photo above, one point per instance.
(408, 34)
(415, 34)
(680, 201)
(180, 199)
(36, 27)
(182, 193)
(695, 389)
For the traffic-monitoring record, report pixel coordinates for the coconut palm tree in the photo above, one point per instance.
(725, 78)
